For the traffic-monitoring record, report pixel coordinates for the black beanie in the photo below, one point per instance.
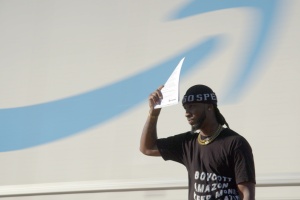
(200, 94)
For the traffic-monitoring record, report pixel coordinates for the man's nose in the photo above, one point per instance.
(187, 113)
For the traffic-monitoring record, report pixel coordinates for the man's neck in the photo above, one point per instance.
(209, 129)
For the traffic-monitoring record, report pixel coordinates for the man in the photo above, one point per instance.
(219, 161)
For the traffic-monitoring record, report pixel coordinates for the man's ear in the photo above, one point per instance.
(210, 107)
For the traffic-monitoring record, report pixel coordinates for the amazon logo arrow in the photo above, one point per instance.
(34, 125)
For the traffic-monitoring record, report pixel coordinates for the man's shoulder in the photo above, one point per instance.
(233, 136)
(180, 137)
(186, 135)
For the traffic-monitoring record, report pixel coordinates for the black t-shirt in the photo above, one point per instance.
(214, 170)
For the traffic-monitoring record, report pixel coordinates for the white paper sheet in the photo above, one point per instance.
(170, 91)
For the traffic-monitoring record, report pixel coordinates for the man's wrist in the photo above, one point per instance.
(154, 113)
(153, 116)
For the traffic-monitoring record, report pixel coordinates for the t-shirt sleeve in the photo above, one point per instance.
(243, 162)
(172, 148)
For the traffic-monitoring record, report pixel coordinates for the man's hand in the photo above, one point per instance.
(154, 99)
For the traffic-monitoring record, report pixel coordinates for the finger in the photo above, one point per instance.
(152, 103)
(159, 91)
(158, 94)
(154, 98)
(160, 87)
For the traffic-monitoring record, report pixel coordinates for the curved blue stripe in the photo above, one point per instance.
(38, 124)
(260, 39)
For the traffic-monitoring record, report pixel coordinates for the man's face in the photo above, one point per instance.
(195, 114)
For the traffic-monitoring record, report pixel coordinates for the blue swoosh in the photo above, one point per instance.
(38, 124)
(250, 67)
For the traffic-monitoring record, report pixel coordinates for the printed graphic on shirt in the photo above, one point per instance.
(213, 186)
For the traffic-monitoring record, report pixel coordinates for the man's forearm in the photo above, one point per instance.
(149, 135)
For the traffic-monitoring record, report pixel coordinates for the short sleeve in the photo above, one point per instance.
(243, 162)
(172, 148)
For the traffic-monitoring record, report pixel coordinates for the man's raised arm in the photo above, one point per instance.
(149, 135)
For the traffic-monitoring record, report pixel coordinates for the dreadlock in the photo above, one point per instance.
(219, 116)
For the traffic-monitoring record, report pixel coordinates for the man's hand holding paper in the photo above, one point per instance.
(155, 98)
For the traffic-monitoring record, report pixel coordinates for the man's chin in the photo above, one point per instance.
(199, 123)
(195, 127)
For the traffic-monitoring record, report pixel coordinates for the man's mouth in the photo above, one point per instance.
(191, 121)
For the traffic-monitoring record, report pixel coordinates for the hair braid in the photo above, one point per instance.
(219, 116)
